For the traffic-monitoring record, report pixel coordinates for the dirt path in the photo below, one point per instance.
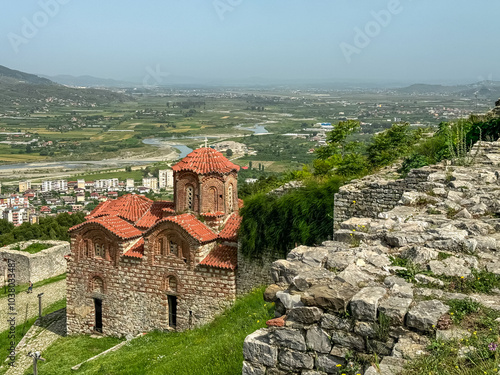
(52, 292)
(38, 338)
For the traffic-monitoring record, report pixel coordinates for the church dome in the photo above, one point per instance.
(205, 160)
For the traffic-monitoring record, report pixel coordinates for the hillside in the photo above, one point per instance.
(88, 81)
(19, 90)
(15, 76)
(484, 89)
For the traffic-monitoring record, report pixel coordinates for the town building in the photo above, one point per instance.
(166, 179)
(150, 183)
(24, 185)
(138, 265)
(54, 185)
(130, 184)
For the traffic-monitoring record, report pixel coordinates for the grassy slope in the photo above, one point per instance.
(216, 348)
(21, 329)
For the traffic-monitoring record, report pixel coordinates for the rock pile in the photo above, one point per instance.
(378, 287)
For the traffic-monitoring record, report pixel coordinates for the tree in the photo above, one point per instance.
(229, 152)
(393, 143)
(337, 148)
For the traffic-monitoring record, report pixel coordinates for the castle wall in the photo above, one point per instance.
(370, 196)
(253, 272)
(35, 267)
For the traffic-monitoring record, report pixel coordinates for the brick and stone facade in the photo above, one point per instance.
(138, 265)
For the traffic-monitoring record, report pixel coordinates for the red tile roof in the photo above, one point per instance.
(230, 230)
(136, 251)
(205, 160)
(193, 226)
(222, 257)
(130, 207)
(114, 224)
(154, 214)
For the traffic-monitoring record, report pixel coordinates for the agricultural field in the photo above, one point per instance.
(72, 130)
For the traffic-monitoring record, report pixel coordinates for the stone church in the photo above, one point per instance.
(137, 265)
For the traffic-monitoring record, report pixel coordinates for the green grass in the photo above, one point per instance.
(81, 349)
(23, 287)
(22, 328)
(459, 309)
(33, 248)
(443, 358)
(216, 348)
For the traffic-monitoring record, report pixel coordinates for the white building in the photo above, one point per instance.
(166, 178)
(54, 185)
(106, 184)
(151, 183)
(130, 184)
(16, 216)
(80, 184)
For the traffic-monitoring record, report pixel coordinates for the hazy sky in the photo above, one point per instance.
(407, 40)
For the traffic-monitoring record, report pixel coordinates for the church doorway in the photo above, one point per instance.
(172, 311)
(98, 314)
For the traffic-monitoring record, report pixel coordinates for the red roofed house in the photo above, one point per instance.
(137, 265)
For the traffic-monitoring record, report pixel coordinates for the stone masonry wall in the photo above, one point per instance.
(253, 272)
(36, 267)
(346, 307)
(371, 195)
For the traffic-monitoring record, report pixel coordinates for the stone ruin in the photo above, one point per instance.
(346, 298)
(35, 267)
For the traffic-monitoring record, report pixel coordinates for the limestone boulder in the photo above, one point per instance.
(257, 349)
(329, 363)
(348, 340)
(395, 308)
(288, 338)
(310, 256)
(333, 297)
(335, 322)
(339, 260)
(318, 340)
(288, 300)
(419, 255)
(451, 266)
(410, 346)
(253, 369)
(425, 315)
(364, 304)
(295, 360)
(305, 315)
(304, 280)
(283, 271)
(354, 276)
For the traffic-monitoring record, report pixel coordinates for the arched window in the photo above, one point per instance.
(230, 197)
(99, 250)
(189, 198)
(97, 285)
(171, 284)
(161, 246)
(174, 249)
(214, 207)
